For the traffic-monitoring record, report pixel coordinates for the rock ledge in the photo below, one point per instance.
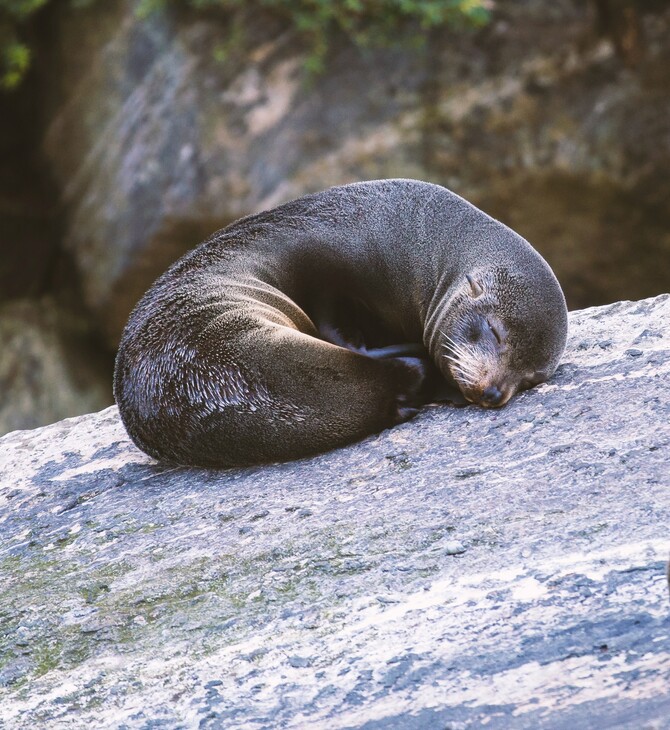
(467, 568)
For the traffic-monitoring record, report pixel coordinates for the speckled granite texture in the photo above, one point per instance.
(470, 568)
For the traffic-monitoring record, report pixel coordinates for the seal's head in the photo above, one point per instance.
(502, 332)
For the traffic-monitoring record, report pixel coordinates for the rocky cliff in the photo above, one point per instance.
(468, 568)
(151, 133)
(154, 142)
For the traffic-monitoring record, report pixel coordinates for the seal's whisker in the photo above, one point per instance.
(465, 367)
(466, 377)
(451, 341)
(470, 376)
(464, 350)
(461, 352)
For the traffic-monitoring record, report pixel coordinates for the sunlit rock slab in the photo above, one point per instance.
(469, 568)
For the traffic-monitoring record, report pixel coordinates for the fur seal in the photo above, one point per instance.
(331, 317)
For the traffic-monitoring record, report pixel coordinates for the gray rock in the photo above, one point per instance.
(154, 144)
(130, 597)
(48, 366)
(454, 547)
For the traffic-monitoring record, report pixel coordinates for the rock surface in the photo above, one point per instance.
(154, 143)
(468, 568)
(49, 369)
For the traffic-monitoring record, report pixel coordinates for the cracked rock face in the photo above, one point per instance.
(470, 567)
(154, 144)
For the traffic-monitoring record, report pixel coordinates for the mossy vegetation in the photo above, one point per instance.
(365, 22)
(15, 50)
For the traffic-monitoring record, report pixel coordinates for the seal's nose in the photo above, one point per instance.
(492, 397)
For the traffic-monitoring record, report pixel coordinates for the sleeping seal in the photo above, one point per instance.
(332, 317)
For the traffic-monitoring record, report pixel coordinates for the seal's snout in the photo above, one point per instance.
(492, 397)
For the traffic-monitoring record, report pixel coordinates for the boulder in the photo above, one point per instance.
(499, 568)
(162, 130)
(49, 365)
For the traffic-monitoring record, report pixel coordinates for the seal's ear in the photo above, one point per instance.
(476, 289)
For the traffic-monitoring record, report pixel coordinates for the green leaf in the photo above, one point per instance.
(14, 65)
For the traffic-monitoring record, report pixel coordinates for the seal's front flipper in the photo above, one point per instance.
(407, 349)
(430, 385)
(413, 395)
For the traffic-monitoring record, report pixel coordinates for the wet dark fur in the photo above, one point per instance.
(330, 318)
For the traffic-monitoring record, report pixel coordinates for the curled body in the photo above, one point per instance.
(334, 316)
